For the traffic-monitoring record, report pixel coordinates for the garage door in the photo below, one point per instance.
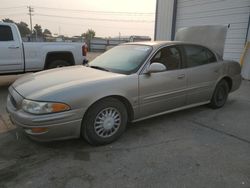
(214, 12)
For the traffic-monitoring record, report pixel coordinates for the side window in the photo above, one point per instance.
(196, 56)
(5, 33)
(169, 56)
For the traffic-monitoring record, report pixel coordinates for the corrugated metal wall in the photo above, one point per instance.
(214, 12)
(164, 16)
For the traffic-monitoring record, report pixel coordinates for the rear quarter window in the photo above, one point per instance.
(211, 57)
(5, 33)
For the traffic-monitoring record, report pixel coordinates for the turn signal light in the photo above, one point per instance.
(39, 129)
(59, 107)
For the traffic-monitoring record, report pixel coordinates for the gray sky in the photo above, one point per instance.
(73, 17)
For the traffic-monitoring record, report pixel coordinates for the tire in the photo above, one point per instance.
(99, 127)
(58, 63)
(220, 95)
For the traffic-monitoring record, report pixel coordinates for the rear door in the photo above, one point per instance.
(163, 91)
(11, 58)
(203, 70)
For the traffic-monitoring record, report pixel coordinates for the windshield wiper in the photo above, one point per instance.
(100, 68)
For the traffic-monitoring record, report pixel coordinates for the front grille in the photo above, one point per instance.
(12, 100)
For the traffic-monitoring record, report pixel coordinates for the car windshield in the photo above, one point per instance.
(124, 59)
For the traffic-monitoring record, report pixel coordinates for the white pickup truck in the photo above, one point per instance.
(17, 56)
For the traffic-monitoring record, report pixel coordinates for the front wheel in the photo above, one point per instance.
(220, 95)
(104, 122)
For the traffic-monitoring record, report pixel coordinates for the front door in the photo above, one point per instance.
(163, 91)
(11, 59)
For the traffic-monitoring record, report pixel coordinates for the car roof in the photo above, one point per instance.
(6, 23)
(154, 43)
(157, 44)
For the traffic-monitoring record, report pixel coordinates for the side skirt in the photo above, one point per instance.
(170, 111)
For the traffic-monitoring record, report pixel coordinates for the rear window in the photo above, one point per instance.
(5, 33)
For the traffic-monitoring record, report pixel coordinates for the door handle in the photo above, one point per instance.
(181, 76)
(13, 47)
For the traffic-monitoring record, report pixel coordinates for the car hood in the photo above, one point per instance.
(211, 36)
(45, 82)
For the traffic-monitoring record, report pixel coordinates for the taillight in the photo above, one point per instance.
(84, 50)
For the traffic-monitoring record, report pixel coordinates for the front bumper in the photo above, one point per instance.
(59, 126)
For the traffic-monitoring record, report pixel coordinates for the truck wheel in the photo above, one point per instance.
(58, 63)
(104, 122)
(220, 95)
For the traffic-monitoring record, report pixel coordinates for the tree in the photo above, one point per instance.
(89, 34)
(46, 32)
(23, 28)
(8, 20)
(38, 30)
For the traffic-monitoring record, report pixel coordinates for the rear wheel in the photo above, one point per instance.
(104, 122)
(220, 94)
(58, 63)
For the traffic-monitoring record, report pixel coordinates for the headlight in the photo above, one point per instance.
(34, 107)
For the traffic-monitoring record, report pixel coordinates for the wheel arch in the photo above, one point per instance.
(122, 99)
(59, 55)
(228, 80)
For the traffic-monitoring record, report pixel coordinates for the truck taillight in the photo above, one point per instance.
(84, 50)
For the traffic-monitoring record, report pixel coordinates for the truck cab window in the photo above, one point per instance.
(5, 33)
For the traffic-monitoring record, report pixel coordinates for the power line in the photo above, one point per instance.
(84, 25)
(95, 19)
(90, 11)
(11, 7)
(4, 15)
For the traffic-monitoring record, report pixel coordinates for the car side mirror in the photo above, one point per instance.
(156, 67)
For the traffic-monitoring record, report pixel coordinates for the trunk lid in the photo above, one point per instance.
(211, 36)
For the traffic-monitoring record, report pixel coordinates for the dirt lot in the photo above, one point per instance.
(198, 147)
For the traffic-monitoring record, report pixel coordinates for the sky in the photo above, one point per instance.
(108, 18)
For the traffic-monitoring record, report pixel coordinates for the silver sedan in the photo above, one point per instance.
(128, 83)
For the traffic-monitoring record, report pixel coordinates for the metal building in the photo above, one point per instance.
(174, 14)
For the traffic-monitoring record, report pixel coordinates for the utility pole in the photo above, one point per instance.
(30, 14)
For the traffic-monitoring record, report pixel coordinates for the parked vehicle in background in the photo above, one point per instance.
(17, 56)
